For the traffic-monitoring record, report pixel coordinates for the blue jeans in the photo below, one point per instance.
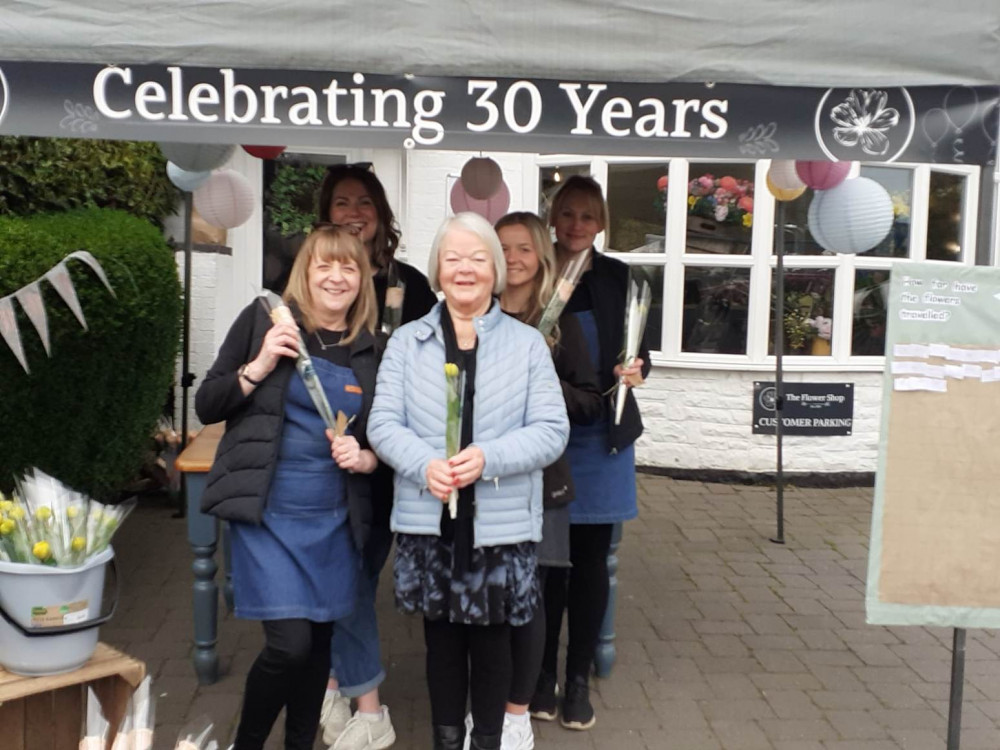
(355, 654)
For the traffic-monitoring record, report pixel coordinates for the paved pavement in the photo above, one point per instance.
(725, 640)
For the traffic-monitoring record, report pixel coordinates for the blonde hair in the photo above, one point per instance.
(330, 243)
(545, 280)
(590, 190)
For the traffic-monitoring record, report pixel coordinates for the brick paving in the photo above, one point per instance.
(725, 641)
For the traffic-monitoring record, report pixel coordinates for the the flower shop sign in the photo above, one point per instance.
(315, 108)
(809, 408)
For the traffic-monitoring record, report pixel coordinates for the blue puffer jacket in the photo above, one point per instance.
(520, 424)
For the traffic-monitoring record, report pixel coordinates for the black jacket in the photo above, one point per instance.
(607, 282)
(240, 478)
(584, 403)
(418, 298)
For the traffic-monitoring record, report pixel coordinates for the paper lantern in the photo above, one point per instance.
(822, 175)
(783, 194)
(481, 177)
(197, 157)
(226, 200)
(184, 180)
(851, 218)
(783, 176)
(265, 152)
(490, 209)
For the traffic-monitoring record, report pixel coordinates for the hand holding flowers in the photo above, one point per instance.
(629, 370)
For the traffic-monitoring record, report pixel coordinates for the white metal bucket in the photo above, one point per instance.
(49, 616)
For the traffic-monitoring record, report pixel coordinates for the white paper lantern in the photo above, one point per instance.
(783, 175)
(197, 157)
(185, 180)
(481, 178)
(851, 218)
(226, 200)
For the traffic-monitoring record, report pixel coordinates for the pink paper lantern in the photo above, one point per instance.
(226, 200)
(822, 175)
(490, 209)
(265, 152)
(481, 177)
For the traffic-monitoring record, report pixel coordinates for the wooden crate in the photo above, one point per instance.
(47, 713)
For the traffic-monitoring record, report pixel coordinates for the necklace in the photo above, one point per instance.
(323, 345)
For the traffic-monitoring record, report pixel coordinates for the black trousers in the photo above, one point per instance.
(527, 645)
(583, 591)
(466, 661)
(290, 673)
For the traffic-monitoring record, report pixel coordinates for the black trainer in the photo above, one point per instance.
(577, 713)
(543, 703)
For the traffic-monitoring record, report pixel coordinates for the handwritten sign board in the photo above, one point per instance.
(810, 408)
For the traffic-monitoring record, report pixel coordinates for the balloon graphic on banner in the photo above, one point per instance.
(481, 178)
(852, 217)
(822, 175)
(960, 105)
(226, 200)
(185, 180)
(265, 152)
(490, 209)
(783, 194)
(197, 157)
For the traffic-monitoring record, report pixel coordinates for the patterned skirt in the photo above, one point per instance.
(500, 586)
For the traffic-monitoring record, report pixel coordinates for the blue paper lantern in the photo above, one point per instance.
(851, 218)
(185, 180)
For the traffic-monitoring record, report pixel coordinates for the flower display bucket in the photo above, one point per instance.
(49, 616)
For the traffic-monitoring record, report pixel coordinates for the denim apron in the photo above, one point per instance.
(604, 481)
(301, 561)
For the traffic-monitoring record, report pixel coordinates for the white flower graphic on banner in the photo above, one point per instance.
(863, 118)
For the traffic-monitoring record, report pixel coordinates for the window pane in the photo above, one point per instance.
(715, 310)
(720, 208)
(899, 184)
(798, 239)
(808, 316)
(871, 290)
(652, 275)
(945, 217)
(549, 180)
(636, 199)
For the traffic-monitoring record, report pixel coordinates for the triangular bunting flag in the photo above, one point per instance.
(9, 331)
(59, 277)
(30, 297)
(91, 261)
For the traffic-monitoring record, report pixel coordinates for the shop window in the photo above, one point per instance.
(637, 196)
(652, 275)
(550, 179)
(720, 208)
(871, 294)
(808, 312)
(716, 301)
(798, 239)
(945, 225)
(899, 184)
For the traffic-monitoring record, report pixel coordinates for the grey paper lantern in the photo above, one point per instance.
(226, 200)
(851, 218)
(481, 178)
(197, 157)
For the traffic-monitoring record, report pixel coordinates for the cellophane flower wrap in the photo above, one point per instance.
(636, 311)
(197, 735)
(303, 363)
(95, 728)
(103, 522)
(454, 395)
(395, 293)
(565, 287)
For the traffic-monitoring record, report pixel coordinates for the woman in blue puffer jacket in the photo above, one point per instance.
(473, 576)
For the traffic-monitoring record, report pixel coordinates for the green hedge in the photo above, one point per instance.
(85, 414)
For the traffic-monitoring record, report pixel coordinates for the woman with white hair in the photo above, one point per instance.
(473, 576)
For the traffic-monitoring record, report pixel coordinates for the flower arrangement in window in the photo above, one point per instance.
(726, 200)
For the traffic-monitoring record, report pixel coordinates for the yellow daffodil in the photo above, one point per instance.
(692, 200)
(17, 513)
(7, 527)
(451, 369)
(6, 506)
(42, 550)
(44, 513)
(748, 220)
(78, 544)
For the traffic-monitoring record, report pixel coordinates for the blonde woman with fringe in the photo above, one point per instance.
(531, 278)
(298, 498)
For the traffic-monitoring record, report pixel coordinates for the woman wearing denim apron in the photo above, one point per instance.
(297, 497)
(601, 458)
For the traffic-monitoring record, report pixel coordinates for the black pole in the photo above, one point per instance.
(957, 685)
(187, 379)
(779, 348)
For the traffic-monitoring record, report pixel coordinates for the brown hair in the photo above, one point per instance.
(386, 238)
(545, 280)
(331, 243)
(589, 189)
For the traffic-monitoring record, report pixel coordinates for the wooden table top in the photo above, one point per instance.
(106, 662)
(199, 455)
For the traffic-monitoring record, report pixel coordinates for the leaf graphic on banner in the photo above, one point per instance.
(59, 277)
(91, 261)
(30, 297)
(10, 332)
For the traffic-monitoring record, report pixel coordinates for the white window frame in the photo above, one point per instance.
(761, 262)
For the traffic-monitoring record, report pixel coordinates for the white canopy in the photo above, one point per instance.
(779, 42)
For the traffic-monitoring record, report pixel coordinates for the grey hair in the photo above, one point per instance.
(480, 227)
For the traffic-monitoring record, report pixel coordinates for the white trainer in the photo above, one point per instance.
(334, 715)
(517, 735)
(364, 733)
